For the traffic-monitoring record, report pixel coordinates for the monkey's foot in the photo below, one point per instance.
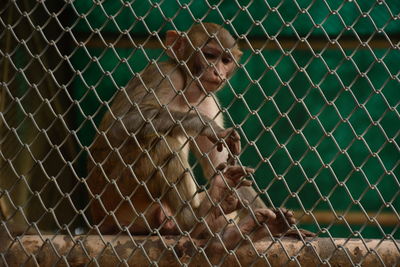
(249, 223)
(278, 223)
(281, 225)
(300, 233)
(284, 219)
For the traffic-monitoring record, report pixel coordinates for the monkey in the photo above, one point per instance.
(139, 177)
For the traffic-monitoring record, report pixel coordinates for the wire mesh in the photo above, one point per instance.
(315, 99)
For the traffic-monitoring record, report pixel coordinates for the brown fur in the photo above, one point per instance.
(138, 163)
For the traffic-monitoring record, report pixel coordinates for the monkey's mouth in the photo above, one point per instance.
(211, 83)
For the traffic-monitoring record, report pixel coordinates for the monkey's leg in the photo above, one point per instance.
(163, 214)
(142, 221)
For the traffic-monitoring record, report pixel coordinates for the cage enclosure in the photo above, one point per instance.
(105, 158)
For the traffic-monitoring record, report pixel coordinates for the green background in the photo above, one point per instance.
(316, 114)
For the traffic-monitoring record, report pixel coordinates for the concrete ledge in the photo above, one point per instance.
(63, 250)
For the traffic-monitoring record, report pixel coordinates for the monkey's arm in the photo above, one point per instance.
(208, 156)
(152, 121)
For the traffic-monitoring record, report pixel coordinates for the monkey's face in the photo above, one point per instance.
(206, 59)
(215, 66)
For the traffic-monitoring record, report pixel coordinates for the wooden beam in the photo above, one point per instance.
(169, 251)
(351, 217)
(285, 43)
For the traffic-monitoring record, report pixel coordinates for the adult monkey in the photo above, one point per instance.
(138, 164)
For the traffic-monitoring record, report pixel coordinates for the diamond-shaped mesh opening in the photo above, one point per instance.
(107, 156)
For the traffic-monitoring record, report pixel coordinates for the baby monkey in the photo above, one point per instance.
(139, 174)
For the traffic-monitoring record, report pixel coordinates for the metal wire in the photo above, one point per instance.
(315, 100)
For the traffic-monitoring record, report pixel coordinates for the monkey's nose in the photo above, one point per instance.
(218, 76)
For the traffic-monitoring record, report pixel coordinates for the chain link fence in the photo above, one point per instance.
(315, 99)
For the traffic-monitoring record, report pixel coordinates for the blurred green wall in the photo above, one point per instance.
(316, 114)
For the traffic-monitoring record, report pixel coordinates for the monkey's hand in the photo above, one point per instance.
(231, 137)
(232, 175)
(221, 189)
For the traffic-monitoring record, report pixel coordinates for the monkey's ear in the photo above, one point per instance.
(237, 53)
(177, 43)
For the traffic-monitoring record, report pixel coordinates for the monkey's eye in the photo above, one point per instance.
(208, 55)
(226, 60)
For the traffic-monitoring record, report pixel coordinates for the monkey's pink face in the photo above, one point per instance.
(217, 67)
